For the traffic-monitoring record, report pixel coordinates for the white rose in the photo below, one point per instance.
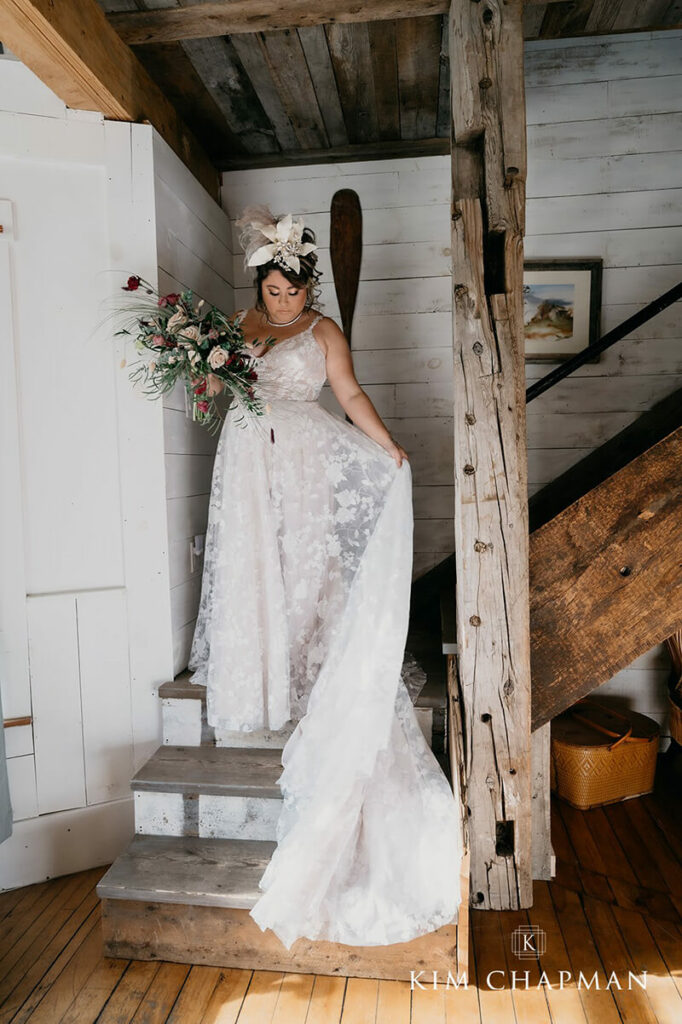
(217, 358)
(176, 321)
(193, 333)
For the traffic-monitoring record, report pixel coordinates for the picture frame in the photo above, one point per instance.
(562, 307)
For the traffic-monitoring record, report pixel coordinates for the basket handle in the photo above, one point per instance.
(625, 737)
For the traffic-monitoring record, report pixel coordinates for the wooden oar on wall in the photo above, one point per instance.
(346, 254)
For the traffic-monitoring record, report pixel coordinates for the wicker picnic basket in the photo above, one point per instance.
(600, 755)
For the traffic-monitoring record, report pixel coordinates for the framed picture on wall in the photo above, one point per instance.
(561, 307)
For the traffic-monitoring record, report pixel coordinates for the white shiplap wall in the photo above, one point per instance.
(604, 155)
(84, 596)
(194, 251)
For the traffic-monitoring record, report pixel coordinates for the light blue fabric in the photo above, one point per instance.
(5, 804)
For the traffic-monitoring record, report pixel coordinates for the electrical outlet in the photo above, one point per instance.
(196, 550)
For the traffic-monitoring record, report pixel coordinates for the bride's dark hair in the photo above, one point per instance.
(307, 277)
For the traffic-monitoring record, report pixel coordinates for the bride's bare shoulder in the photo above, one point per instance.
(330, 334)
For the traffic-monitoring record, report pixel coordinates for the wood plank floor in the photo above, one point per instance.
(614, 908)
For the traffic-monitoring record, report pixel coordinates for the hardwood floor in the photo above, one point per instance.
(615, 907)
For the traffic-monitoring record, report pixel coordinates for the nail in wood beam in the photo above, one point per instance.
(490, 472)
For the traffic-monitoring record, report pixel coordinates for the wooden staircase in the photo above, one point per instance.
(606, 570)
(605, 562)
(206, 809)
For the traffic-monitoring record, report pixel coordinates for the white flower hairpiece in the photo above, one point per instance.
(265, 238)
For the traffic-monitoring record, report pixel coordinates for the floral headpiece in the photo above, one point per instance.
(265, 238)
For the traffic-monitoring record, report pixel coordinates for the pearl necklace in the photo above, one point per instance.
(273, 323)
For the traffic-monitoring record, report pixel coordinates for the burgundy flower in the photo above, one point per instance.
(132, 285)
(202, 406)
(200, 388)
(169, 300)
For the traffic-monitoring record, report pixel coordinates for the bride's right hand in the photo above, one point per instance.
(214, 385)
(396, 452)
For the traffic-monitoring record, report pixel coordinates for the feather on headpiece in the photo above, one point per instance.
(264, 237)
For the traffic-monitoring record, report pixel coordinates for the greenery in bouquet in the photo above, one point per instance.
(188, 343)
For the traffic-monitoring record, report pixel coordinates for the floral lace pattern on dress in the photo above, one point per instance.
(303, 617)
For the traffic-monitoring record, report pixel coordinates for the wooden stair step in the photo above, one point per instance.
(189, 870)
(187, 900)
(185, 722)
(217, 771)
(433, 694)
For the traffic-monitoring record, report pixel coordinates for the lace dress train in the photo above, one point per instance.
(303, 618)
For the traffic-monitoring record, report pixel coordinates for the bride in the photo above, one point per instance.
(303, 619)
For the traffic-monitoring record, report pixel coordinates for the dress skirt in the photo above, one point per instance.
(303, 618)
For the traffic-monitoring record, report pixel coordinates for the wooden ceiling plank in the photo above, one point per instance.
(349, 51)
(314, 43)
(418, 44)
(640, 14)
(251, 54)
(565, 19)
(229, 17)
(73, 49)
(220, 69)
(384, 58)
(603, 15)
(172, 70)
(533, 15)
(286, 60)
(338, 154)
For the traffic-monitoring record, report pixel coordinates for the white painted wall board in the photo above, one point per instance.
(132, 235)
(14, 671)
(18, 740)
(106, 698)
(70, 473)
(23, 792)
(188, 475)
(56, 697)
(24, 93)
(59, 844)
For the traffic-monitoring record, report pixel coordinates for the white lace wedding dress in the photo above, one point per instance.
(303, 617)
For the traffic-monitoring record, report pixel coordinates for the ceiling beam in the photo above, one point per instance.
(387, 150)
(236, 17)
(73, 49)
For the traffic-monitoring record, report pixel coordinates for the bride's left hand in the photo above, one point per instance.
(397, 452)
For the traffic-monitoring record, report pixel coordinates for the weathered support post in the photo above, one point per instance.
(491, 505)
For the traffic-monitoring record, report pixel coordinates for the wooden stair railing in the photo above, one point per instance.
(599, 597)
(606, 341)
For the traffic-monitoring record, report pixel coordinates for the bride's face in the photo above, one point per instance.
(283, 300)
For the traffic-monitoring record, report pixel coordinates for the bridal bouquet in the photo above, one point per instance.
(188, 342)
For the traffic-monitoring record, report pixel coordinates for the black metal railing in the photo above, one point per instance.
(629, 325)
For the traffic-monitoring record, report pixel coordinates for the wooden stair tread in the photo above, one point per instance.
(190, 870)
(218, 771)
(432, 695)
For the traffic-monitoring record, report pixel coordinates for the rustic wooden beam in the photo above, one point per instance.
(612, 563)
(73, 49)
(233, 17)
(346, 154)
(490, 471)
